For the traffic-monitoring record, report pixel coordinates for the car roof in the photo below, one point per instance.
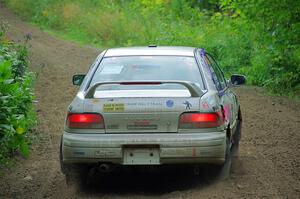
(151, 50)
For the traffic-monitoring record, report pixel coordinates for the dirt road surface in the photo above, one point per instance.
(268, 165)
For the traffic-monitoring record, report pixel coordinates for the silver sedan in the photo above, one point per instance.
(151, 106)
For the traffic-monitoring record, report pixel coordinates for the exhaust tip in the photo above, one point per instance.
(105, 168)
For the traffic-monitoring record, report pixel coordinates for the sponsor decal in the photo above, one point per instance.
(205, 105)
(202, 52)
(111, 70)
(227, 112)
(188, 105)
(145, 104)
(113, 108)
(134, 118)
(95, 101)
(170, 103)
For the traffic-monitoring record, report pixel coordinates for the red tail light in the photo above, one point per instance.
(201, 120)
(85, 121)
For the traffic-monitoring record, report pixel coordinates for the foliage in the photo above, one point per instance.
(17, 115)
(256, 37)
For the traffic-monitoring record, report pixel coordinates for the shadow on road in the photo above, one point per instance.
(148, 182)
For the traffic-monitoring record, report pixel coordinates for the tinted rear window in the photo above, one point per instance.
(139, 68)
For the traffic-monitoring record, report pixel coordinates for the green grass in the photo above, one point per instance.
(73, 36)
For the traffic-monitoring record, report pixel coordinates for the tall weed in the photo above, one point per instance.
(17, 115)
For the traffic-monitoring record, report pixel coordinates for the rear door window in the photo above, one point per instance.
(218, 76)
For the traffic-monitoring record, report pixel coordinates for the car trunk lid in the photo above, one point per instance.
(139, 115)
(152, 109)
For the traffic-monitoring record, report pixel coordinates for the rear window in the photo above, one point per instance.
(142, 68)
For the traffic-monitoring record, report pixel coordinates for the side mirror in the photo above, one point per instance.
(78, 79)
(237, 79)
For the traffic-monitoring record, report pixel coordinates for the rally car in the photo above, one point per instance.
(151, 106)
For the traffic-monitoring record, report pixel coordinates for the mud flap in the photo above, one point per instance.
(237, 136)
(75, 175)
(224, 170)
(62, 167)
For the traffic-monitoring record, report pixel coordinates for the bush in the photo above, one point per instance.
(17, 115)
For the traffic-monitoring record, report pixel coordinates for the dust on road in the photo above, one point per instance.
(268, 165)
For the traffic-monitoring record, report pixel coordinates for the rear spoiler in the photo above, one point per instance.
(193, 89)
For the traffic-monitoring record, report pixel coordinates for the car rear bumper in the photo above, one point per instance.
(173, 148)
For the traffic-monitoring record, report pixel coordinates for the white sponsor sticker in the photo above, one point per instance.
(112, 70)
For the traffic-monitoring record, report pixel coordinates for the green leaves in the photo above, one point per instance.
(5, 71)
(24, 148)
(17, 115)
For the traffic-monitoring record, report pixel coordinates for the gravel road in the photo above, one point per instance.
(268, 165)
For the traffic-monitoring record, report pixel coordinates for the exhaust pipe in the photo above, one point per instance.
(105, 168)
(196, 170)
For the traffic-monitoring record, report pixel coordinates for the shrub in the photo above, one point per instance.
(17, 115)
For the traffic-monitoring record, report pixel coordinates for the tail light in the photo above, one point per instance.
(201, 120)
(85, 121)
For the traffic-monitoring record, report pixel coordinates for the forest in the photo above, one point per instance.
(257, 38)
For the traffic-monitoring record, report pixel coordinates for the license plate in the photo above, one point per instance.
(141, 156)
